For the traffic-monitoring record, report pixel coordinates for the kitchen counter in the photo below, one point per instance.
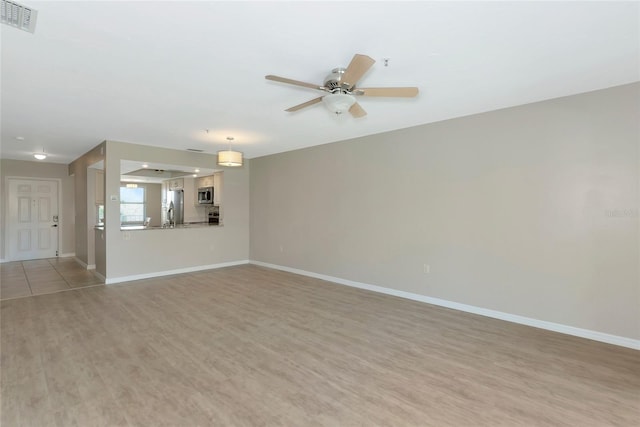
(179, 226)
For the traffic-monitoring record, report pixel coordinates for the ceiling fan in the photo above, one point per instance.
(341, 88)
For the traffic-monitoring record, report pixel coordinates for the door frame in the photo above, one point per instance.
(7, 224)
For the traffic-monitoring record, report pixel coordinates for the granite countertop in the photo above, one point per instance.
(178, 226)
(157, 227)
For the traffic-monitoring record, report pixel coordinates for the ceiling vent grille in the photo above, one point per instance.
(19, 16)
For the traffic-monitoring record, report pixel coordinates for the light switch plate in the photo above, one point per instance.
(114, 198)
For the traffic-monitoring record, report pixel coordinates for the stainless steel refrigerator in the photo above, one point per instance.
(176, 207)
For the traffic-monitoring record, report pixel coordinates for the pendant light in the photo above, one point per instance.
(229, 157)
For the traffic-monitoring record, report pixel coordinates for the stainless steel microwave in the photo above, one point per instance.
(205, 195)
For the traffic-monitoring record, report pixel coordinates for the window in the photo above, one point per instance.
(132, 205)
(99, 214)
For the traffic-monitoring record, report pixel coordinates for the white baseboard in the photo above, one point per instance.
(85, 265)
(68, 255)
(542, 324)
(121, 279)
(79, 261)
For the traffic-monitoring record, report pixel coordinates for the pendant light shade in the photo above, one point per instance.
(229, 157)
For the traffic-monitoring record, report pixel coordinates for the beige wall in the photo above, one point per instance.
(24, 169)
(85, 203)
(92, 213)
(134, 253)
(120, 255)
(530, 210)
(154, 203)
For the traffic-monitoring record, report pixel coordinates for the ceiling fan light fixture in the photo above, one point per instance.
(338, 103)
(229, 157)
(340, 87)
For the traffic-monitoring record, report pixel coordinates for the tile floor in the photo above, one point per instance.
(43, 276)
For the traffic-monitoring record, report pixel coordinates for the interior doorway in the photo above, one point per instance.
(32, 220)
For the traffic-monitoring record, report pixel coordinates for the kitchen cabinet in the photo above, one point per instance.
(214, 181)
(176, 184)
(204, 181)
(99, 190)
(217, 188)
(191, 212)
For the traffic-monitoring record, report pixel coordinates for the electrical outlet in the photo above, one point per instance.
(426, 268)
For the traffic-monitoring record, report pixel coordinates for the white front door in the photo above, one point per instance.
(33, 219)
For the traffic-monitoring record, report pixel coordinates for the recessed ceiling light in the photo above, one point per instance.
(40, 156)
(194, 175)
(145, 165)
(20, 138)
(197, 170)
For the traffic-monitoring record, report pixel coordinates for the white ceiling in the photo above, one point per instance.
(160, 73)
(156, 172)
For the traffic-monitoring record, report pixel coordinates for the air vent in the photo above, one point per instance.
(195, 150)
(19, 16)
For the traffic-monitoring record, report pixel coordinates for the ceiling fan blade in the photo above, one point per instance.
(359, 65)
(400, 92)
(304, 104)
(292, 82)
(357, 111)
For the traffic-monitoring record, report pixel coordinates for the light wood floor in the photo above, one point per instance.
(43, 276)
(250, 346)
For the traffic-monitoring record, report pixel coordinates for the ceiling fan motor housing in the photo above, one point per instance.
(333, 82)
